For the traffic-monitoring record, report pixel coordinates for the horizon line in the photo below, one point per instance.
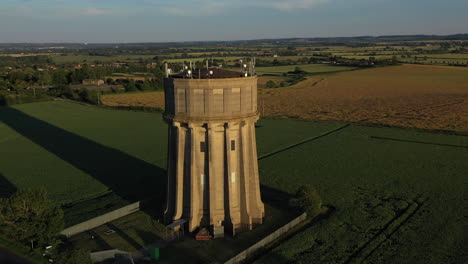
(238, 40)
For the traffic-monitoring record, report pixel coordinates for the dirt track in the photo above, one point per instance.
(430, 97)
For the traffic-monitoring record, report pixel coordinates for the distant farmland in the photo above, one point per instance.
(430, 97)
(433, 97)
(309, 68)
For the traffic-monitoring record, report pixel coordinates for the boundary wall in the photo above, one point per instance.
(267, 240)
(100, 220)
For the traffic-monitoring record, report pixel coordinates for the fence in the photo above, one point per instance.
(262, 243)
(100, 220)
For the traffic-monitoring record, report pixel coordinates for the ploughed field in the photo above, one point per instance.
(150, 99)
(430, 97)
(399, 194)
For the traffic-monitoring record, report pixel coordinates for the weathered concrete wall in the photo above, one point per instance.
(100, 220)
(267, 240)
(211, 98)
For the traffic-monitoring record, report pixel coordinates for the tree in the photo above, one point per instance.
(64, 91)
(29, 217)
(309, 200)
(59, 77)
(271, 84)
(131, 86)
(146, 85)
(84, 95)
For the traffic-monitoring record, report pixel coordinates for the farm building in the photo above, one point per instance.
(93, 82)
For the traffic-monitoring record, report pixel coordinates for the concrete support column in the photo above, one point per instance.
(171, 163)
(244, 178)
(179, 171)
(196, 210)
(257, 207)
(216, 171)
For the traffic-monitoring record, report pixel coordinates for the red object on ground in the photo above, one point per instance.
(203, 234)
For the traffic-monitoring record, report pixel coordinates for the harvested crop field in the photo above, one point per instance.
(152, 99)
(430, 97)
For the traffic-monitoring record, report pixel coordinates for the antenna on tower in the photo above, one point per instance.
(253, 66)
(166, 70)
(207, 61)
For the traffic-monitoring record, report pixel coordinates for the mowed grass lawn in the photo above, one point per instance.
(309, 68)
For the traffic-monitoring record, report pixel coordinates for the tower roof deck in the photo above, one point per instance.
(210, 73)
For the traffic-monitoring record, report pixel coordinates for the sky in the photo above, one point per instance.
(126, 21)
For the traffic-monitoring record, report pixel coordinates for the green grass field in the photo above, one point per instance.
(399, 194)
(309, 68)
(372, 182)
(89, 158)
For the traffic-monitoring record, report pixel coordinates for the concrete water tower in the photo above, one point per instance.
(213, 179)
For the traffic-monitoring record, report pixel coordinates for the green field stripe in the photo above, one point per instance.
(418, 142)
(303, 142)
(373, 244)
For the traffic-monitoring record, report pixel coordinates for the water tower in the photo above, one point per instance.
(213, 179)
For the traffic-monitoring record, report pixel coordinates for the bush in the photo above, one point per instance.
(309, 200)
(271, 84)
(9, 98)
(72, 256)
(84, 95)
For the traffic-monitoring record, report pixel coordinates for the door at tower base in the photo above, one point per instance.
(213, 176)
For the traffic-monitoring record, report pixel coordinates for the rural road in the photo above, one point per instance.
(7, 257)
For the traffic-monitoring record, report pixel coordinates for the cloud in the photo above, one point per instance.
(93, 11)
(292, 5)
(219, 7)
(204, 7)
